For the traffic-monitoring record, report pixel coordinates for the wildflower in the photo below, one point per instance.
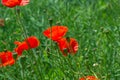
(13, 3)
(21, 46)
(31, 42)
(89, 78)
(55, 32)
(68, 46)
(6, 58)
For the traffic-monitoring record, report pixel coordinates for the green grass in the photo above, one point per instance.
(94, 23)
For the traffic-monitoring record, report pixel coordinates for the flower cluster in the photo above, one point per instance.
(31, 42)
(66, 45)
(6, 57)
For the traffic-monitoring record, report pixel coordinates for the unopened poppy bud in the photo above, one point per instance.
(5, 50)
(50, 21)
(58, 23)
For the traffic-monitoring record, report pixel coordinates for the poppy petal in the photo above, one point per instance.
(63, 45)
(68, 46)
(56, 32)
(6, 58)
(74, 45)
(23, 46)
(10, 3)
(13, 3)
(32, 42)
(17, 43)
(24, 2)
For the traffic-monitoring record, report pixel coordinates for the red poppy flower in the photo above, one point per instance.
(89, 78)
(21, 47)
(55, 32)
(68, 46)
(13, 3)
(6, 58)
(31, 42)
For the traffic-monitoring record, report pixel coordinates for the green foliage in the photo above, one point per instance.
(94, 23)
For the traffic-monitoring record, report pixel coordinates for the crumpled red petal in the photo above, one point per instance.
(68, 46)
(6, 58)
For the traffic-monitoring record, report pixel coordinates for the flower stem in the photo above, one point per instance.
(18, 19)
(50, 21)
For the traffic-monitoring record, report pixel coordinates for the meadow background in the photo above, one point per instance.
(95, 24)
